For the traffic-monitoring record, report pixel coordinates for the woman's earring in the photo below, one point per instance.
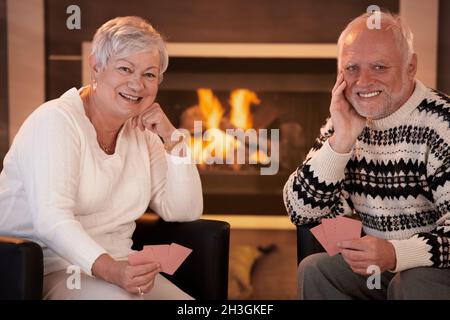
(94, 84)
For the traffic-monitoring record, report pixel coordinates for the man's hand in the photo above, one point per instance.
(347, 123)
(361, 253)
(155, 120)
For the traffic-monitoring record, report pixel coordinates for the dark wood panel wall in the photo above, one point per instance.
(284, 21)
(4, 143)
(212, 21)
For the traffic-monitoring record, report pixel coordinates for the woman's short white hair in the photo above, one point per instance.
(388, 21)
(123, 36)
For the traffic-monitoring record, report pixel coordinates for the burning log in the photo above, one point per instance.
(234, 137)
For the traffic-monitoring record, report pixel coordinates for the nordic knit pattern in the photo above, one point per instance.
(396, 179)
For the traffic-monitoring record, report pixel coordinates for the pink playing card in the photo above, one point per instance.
(160, 250)
(319, 233)
(161, 254)
(177, 255)
(347, 229)
(329, 229)
(141, 257)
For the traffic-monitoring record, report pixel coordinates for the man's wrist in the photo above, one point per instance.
(393, 255)
(340, 145)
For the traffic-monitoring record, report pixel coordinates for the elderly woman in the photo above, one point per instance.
(85, 166)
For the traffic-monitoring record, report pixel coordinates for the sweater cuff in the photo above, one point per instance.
(73, 244)
(328, 164)
(181, 145)
(411, 253)
(176, 160)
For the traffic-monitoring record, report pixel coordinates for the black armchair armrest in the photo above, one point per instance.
(307, 244)
(21, 269)
(204, 274)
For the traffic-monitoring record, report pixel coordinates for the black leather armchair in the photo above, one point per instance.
(203, 275)
(21, 269)
(307, 244)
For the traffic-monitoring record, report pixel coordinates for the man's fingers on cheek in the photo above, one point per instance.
(336, 84)
(341, 87)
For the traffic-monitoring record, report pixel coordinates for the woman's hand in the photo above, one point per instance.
(155, 120)
(347, 123)
(126, 276)
(131, 278)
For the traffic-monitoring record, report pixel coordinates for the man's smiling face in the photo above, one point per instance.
(379, 77)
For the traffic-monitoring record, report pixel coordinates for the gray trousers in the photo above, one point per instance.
(321, 277)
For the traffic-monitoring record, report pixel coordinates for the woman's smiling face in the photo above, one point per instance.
(128, 85)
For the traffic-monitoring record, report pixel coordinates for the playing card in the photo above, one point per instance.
(347, 229)
(141, 257)
(170, 257)
(329, 228)
(331, 231)
(161, 253)
(319, 234)
(177, 255)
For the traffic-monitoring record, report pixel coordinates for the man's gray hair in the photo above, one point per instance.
(389, 21)
(123, 36)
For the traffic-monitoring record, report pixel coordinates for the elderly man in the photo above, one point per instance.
(384, 154)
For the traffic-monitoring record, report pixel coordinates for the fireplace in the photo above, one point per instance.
(285, 99)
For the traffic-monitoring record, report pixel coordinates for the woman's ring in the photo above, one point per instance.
(140, 291)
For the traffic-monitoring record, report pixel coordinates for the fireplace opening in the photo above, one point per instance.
(208, 97)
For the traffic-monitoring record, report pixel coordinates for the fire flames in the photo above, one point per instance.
(217, 143)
